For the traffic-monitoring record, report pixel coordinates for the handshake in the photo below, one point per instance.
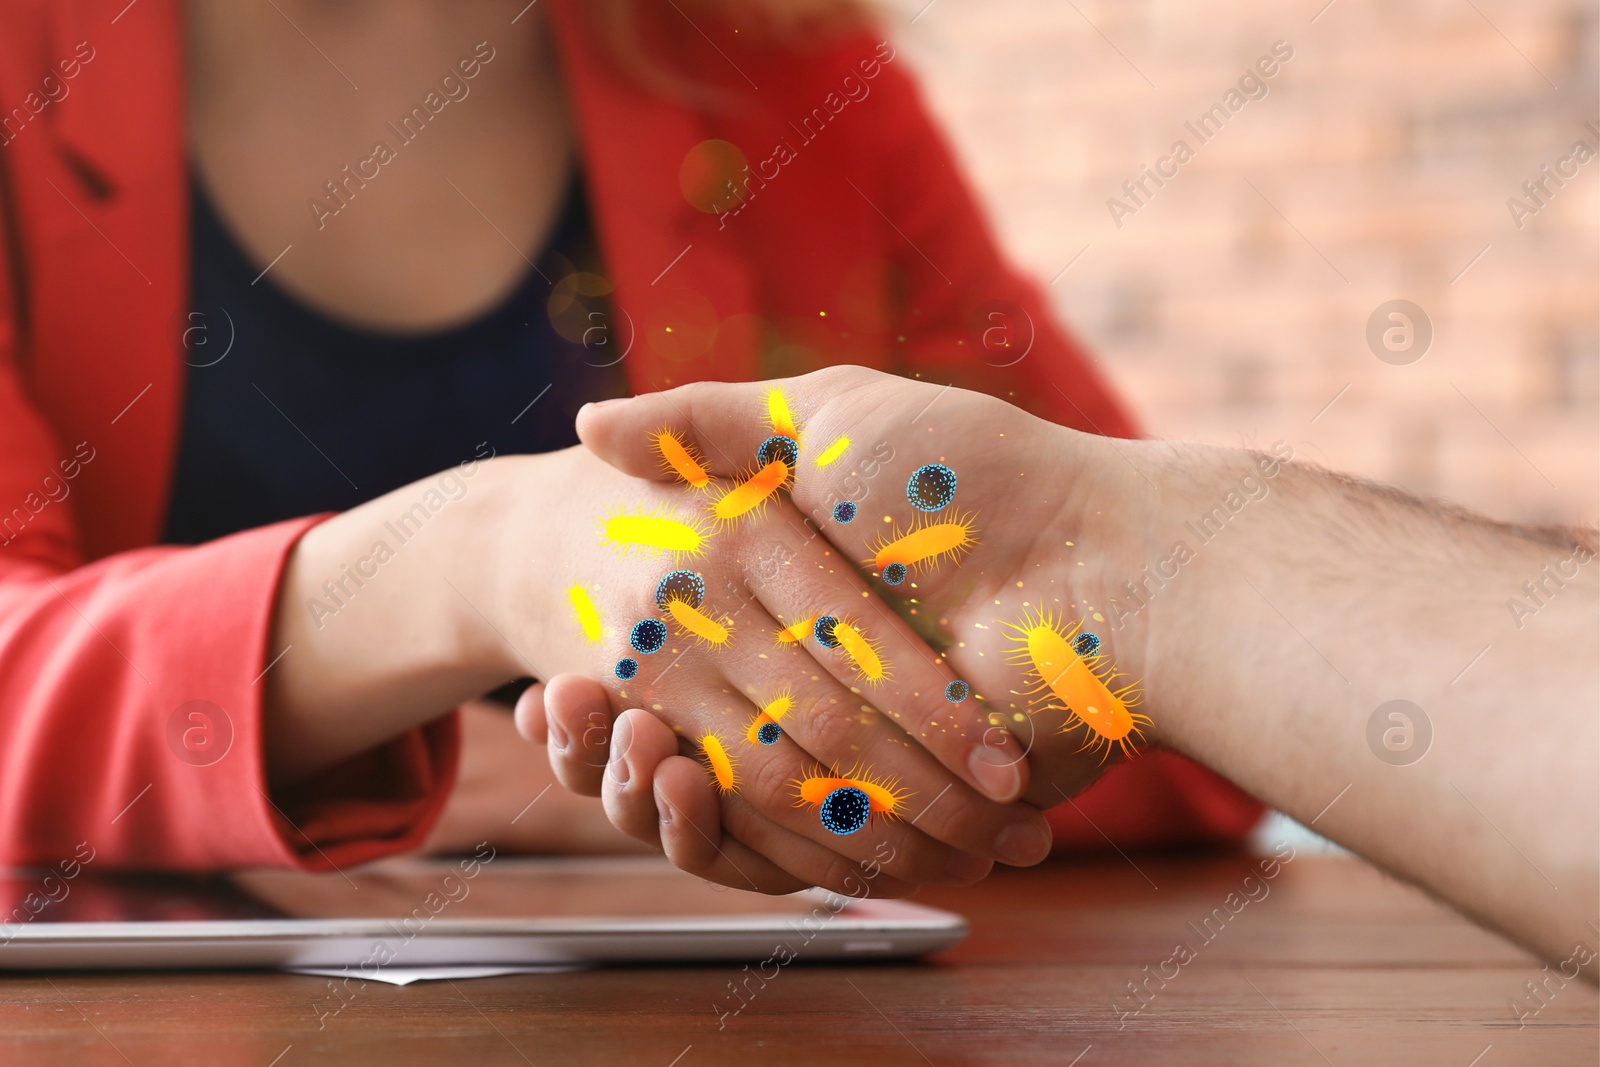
(836, 602)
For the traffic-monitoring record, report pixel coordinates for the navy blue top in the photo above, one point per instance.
(288, 412)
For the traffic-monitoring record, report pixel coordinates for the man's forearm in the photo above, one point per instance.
(1276, 648)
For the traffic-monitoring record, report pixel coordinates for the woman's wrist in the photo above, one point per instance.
(379, 623)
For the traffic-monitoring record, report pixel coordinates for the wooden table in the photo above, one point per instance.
(1335, 964)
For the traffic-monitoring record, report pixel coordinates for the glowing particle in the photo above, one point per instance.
(833, 451)
(779, 415)
(626, 668)
(648, 636)
(957, 691)
(768, 733)
(796, 631)
(680, 458)
(894, 574)
(882, 795)
(822, 630)
(652, 533)
(686, 586)
(779, 447)
(719, 763)
(844, 511)
(931, 487)
(862, 650)
(696, 623)
(751, 494)
(584, 611)
(773, 710)
(844, 811)
(1064, 680)
(925, 544)
(1086, 644)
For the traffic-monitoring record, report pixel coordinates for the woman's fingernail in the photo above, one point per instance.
(995, 771)
(1022, 844)
(966, 867)
(621, 735)
(558, 733)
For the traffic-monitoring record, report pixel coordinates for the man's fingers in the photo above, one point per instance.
(529, 714)
(691, 834)
(640, 743)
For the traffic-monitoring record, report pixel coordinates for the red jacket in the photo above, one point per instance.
(853, 239)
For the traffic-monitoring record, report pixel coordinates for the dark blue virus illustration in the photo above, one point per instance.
(648, 636)
(768, 733)
(844, 511)
(1086, 644)
(931, 487)
(686, 586)
(894, 574)
(845, 810)
(957, 691)
(822, 630)
(626, 668)
(779, 447)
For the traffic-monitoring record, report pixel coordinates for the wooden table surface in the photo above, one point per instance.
(1335, 964)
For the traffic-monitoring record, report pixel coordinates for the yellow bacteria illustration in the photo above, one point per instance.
(779, 415)
(1066, 680)
(862, 650)
(796, 631)
(652, 532)
(847, 802)
(833, 452)
(584, 611)
(925, 544)
(697, 624)
(719, 763)
(751, 494)
(680, 458)
(764, 728)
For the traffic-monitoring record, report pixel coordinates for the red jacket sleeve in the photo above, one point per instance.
(131, 695)
(973, 320)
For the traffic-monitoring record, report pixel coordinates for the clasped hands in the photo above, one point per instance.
(960, 772)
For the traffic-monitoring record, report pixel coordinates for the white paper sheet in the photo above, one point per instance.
(407, 975)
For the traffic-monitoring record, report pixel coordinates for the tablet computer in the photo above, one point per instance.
(483, 910)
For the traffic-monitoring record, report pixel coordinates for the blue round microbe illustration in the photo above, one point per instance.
(1086, 644)
(844, 511)
(686, 586)
(931, 487)
(823, 631)
(781, 447)
(769, 733)
(626, 668)
(845, 810)
(894, 574)
(648, 636)
(957, 691)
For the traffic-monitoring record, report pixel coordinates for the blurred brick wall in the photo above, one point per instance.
(1390, 142)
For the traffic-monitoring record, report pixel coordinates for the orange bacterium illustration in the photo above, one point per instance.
(796, 631)
(584, 611)
(680, 458)
(773, 710)
(847, 802)
(1067, 681)
(862, 650)
(719, 763)
(925, 544)
(752, 493)
(699, 625)
(652, 532)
